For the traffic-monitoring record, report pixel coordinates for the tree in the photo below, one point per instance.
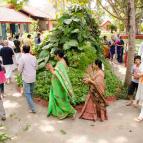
(112, 27)
(131, 40)
(119, 8)
(17, 4)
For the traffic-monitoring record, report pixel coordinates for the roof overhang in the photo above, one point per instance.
(8, 15)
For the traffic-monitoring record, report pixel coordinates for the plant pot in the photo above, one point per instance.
(111, 99)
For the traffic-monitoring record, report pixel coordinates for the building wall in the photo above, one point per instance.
(106, 26)
(50, 25)
(42, 25)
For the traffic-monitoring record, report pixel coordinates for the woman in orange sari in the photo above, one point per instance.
(95, 105)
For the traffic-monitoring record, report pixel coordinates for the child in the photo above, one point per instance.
(2, 81)
(135, 79)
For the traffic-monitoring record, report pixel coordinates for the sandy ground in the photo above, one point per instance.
(24, 127)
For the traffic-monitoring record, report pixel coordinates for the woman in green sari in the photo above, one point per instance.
(61, 89)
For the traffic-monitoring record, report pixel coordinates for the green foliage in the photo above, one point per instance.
(43, 83)
(18, 79)
(111, 81)
(34, 26)
(121, 26)
(4, 137)
(141, 27)
(77, 33)
(80, 89)
(121, 93)
(17, 4)
(74, 29)
(113, 28)
(78, 64)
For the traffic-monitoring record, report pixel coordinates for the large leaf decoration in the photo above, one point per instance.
(67, 21)
(47, 59)
(47, 46)
(43, 54)
(40, 60)
(75, 31)
(41, 65)
(76, 19)
(69, 44)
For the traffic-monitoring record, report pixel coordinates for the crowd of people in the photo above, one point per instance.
(61, 89)
(11, 53)
(114, 48)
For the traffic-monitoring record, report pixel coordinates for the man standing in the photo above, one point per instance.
(27, 66)
(7, 57)
(28, 41)
(38, 39)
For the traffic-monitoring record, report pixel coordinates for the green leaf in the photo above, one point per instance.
(52, 52)
(80, 48)
(76, 19)
(67, 21)
(47, 46)
(69, 44)
(41, 65)
(75, 31)
(40, 60)
(43, 54)
(46, 59)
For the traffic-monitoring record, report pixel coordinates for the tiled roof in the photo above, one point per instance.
(36, 12)
(105, 22)
(12, 16)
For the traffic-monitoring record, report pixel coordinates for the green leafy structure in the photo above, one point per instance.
(77, 33)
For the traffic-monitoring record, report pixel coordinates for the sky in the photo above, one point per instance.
(39, 3)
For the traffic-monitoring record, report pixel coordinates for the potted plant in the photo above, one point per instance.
(19, 84)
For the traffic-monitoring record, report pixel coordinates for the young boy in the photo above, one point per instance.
(135, 79)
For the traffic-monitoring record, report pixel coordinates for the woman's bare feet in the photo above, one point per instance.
(129, 104)
(139, 119)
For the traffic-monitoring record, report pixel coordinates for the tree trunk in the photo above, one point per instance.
(131, 40)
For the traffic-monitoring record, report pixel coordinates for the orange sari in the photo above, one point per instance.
(95, 105)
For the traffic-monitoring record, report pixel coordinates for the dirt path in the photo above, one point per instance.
(24, 127)
(119, 70)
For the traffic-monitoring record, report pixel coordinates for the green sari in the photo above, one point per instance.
(60, 93)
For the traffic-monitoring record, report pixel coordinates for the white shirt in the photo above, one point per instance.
(11, 44)
(27, 66)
